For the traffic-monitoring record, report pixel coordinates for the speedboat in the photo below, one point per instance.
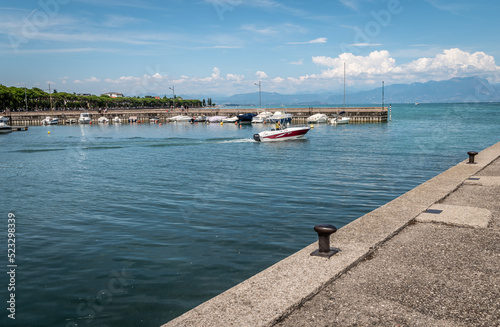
(180, 118)
(281, 117)
(4, 128)
(103, 120)
(289, 133)
(215, 119)
(261, 117)
(50, 121)
(317, 118)
(246, 118)
(84, 118)
(230, 120)
(117, 120)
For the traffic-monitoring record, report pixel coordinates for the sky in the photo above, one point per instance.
(225, 47)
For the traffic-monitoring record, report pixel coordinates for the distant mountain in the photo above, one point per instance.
(468, 89)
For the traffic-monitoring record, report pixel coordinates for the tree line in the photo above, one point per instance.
(35, 99)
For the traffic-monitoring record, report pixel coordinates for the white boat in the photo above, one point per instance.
(261, 117)
(132, 119)
(4, 128)
(71, 121)
(340, 120)
(231, 120)
(50, 121)
(215, 119)
(103, 120)
(84, 118)
(317, 118)
(180, 118)
(4, 119)
(281, 117)
(200, 119)
(117, 120)
(289, 133)
(154, 120)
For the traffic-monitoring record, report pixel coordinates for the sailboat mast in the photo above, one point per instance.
(50, 98)
(344, 85)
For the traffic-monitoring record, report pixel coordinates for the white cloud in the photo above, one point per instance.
(261, 74)
(353, 4)
(318, 40)
(298, 62)
(365, 44)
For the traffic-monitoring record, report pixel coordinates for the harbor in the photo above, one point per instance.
(205, 204)
(299, 115)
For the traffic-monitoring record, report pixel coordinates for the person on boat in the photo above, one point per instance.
(278, 125)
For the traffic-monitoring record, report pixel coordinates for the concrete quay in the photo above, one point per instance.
(431, 257)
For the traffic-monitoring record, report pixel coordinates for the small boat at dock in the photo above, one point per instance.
(103, 120)
(317, 118)
(116, 120)
(231, 120)
(246, 118)
(4, 128)
(261, 117)
(215, 119)
(281, 117)
(84, 118)
(180, 119)
(50, 121)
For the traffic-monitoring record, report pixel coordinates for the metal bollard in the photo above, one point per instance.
(324, 231)
(471, 154)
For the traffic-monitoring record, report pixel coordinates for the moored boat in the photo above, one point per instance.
(103, 120)
(261, 117)
(132, 119)
(215, 119)
(4, 128)
(281, 117)
(338, 119)
(180, 118)
(317, 118)
(246, 118)
(117, 120)
(84, 118)
(289, 133)
(230, 120)
(50, 121)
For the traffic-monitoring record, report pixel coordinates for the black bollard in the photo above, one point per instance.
(471, 154)
(324, 231)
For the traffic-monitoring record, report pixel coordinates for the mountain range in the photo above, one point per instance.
(468, 89)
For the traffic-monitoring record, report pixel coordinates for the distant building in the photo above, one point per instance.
(157, 98)
(84, 94)
(113, 94)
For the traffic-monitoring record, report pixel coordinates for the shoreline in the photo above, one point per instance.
(273, 294)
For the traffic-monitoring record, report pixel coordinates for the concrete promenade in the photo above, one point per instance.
(431, 257)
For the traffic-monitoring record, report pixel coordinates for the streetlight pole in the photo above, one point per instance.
(173, 95)
(260, 102)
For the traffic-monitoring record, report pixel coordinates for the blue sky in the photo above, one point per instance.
(223, 47)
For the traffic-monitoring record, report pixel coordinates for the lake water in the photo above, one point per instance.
(132, 225)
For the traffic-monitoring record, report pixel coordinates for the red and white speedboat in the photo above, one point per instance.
(285, 134)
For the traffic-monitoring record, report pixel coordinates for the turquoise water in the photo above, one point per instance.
(132, 225)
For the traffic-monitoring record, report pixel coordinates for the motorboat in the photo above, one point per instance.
(50, 121)
(132, 119)
(231, 120)
(281, 117)
(279, 134)
(71, 121)
(180, 118)
(215, 119)
(340, 120)
(85, 118)
(103, 120)
(116, 120)
(246, 118)
(154, 120)
(261, 117)
(317, 118)
(200, 119)
(4, 128)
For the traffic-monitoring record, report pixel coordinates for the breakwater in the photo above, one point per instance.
(300, 115)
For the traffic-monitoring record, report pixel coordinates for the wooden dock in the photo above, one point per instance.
(300, 115)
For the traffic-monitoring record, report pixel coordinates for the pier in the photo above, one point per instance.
(300, 115)
(428, 258)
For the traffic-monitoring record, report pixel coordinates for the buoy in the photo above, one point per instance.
(312, 126)
(160, 124)
(48, 132)
(236, 123)
(240, 125)
(221, 123)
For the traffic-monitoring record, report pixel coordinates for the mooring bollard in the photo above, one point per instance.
(471, 154)
(324, 231)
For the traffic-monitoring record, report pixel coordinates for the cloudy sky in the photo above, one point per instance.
(223, 47)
